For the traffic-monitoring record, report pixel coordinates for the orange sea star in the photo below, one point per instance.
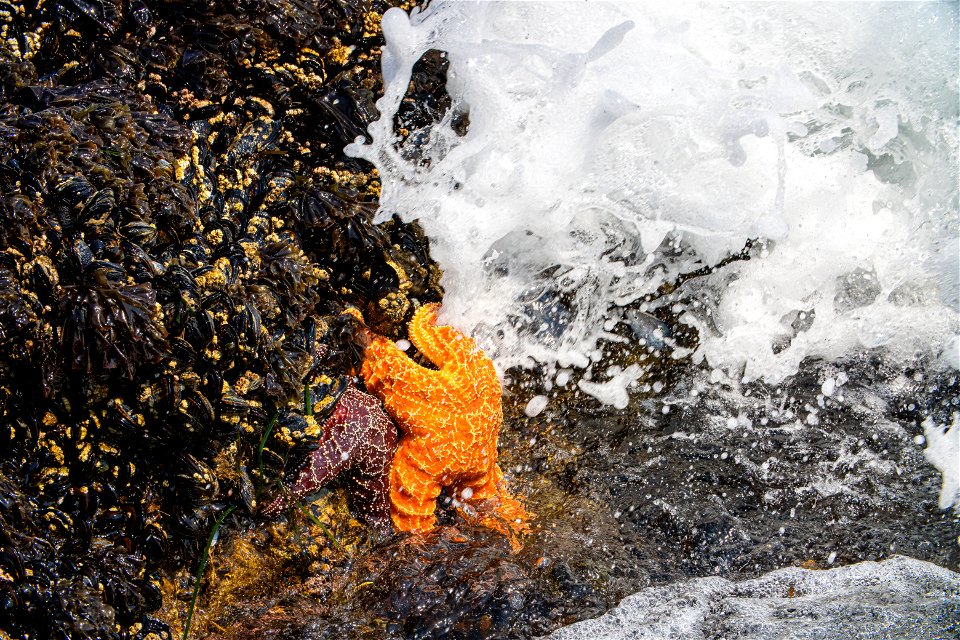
(450, 420)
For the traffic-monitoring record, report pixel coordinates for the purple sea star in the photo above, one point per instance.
(359, 438)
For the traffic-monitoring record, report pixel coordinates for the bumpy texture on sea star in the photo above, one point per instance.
(358, 438)
(450, 419)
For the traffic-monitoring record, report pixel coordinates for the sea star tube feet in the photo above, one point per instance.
(360, 439)
(450, 419)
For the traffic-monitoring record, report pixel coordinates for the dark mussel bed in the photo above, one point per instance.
(179, 234)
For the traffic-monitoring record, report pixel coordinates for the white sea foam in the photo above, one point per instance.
(613, 147)
(615, 391)
(943, 451)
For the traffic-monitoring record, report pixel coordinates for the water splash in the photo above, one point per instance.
(943, 452)
(613, 148)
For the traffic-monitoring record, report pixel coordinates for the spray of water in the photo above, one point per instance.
(612, 148)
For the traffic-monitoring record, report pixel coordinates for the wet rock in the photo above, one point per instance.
(898, 598)
(452, 583)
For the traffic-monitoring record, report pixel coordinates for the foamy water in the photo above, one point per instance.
(614, 147)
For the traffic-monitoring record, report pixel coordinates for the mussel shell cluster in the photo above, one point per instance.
(180, 234)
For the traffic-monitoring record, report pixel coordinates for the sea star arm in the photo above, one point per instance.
(358, 436)
(413, 490)
(494, 507)
(325, 463)
(370, 497)
(407, 389)
(442, 344)
(501, 511)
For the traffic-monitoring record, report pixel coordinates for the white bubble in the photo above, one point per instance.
(828, 387)
(535, 406)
